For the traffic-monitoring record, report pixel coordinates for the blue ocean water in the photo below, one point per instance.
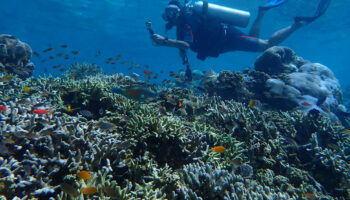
(118, 27)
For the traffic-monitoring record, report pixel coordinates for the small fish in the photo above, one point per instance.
(162, 111)
(310, 195)
(86, 114)
(130, 68)
(69, 189)
(3, 108)
(218, 149)
(75, 52)
(252, 103)
(69, 108)
(57, 66)
(161, 72)
(346, 131)
(123, 63)
(147, 80)
(51, 57)
(105, 126)
(40, 111)
(155, 76)
(101, 111)
(139, 93)
(98, 53)
(111, 191)
(64, 46)
(63, 55)
(164, 108)
(147, 72)
(8, 77)
(25, 58)
(89, 190)
(62, 69)
(72, 77)
(48, 49)
(45, 70)
(84, 175)
(26, 89)
(146, 66)
(304, 103)
(132, 62)
(109, 60)
(180, 104)
(43, 60)
(3, 149)
(36, 54)
(119, 56)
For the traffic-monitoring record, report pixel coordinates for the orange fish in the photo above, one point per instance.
(306, 104)
(89, 190)
(84, 175)
(180, 104)
(3, 108)
(147, 72)
(218, 149)
(40, 111)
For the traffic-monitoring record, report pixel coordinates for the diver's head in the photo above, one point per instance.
(171, 13)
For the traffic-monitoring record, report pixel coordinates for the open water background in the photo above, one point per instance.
(118, 27)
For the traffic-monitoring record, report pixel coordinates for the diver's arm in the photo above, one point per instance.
(162, 41)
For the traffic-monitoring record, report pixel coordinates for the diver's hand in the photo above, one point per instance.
(158, 39)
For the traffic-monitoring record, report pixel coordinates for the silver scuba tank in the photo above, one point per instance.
(226, 15)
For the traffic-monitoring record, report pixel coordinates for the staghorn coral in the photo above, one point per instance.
(203, 181)
(141, 155)
(82, 70)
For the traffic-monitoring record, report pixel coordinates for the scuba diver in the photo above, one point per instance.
(210, 30)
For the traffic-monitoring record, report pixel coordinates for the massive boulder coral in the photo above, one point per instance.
(299, 83)
(14, 56)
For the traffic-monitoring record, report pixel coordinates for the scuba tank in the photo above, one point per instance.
(226, 15)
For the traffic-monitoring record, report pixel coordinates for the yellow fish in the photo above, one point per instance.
(26, 89)
(252, 103)
(8, 77)
(69, 108)
(346, 131)
(218, 149)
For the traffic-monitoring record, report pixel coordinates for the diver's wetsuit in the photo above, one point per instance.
(209, 37)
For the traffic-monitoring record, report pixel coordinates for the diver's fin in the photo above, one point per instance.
(321, 9)
(188, 74)
(272, 4)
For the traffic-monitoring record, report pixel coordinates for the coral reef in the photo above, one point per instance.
(162, 149)
(14, 56)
